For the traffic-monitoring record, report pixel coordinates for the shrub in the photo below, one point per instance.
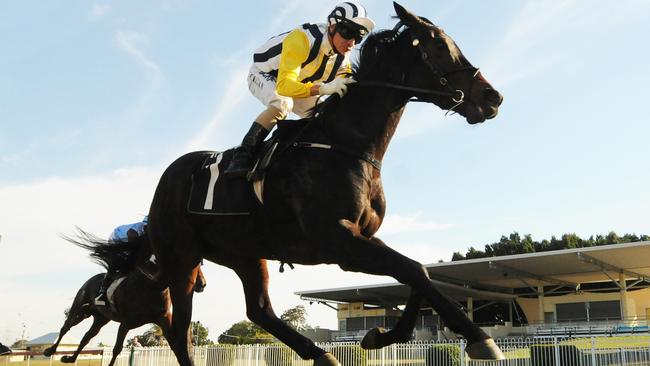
(350, 355)
(544, 355)
(443, 355)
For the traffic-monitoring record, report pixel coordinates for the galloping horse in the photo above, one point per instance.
(138, 300)
(324, 205)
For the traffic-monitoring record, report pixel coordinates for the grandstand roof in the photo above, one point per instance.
(50, 338)
(499, 278)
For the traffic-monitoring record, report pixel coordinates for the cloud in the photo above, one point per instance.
(227, 105)
(400, 224)
(99, 11)
(132, 43)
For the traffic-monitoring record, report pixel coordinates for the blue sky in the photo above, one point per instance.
(97, 98)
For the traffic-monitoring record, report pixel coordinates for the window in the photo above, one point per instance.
(605, 310)
(571, 312)
(354, 324)
(588, 311)
(374, 322)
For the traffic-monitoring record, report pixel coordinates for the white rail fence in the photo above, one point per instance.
(552, 351)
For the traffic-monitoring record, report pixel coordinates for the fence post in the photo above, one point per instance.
(556, 348)
(463, 359)
(593, 351)
(132, 357)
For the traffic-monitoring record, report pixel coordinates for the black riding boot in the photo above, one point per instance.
(242, 161)
(102, 298)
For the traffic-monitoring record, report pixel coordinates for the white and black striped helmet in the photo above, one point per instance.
(352, 12)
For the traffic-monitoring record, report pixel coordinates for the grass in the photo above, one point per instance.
(46, 362)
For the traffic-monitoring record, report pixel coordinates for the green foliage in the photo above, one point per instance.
(515, 244)
(350, 355)
(200, 334)
(296, 317)
(279, 355)
(19, 344)
(153, 338)
(245, 332)
(443, 355)
(544, 355)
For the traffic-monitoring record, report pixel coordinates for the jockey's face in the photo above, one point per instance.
(341, 44)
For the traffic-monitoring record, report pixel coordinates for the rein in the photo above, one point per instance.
(457, 95)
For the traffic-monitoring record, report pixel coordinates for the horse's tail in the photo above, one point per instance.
(118, 255)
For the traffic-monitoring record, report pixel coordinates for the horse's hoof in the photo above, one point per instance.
(371, 339)
(485, 350)
(48, 352)
(326, 360)
(67, 359)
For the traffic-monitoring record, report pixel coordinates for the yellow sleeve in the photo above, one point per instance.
(345, 70)
(295, 50)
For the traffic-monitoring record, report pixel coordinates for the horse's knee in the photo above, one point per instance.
(259, 315)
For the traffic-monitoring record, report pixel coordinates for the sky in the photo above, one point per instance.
(98, 97)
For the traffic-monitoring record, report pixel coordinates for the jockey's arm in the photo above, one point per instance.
(295, 50)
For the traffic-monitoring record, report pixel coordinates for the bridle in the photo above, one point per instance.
(456, 95)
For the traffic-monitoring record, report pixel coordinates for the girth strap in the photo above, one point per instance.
(362, 156)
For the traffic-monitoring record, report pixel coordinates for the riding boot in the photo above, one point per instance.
(242, 161)
(102, 298)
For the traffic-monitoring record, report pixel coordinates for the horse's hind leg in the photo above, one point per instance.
(98, 322)
(254, 277)
(181, 292)
(401, 332)
(75, 316)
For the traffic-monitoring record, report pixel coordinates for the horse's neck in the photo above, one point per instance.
(366, 119)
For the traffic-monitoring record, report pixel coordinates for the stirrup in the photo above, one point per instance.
(101, 299)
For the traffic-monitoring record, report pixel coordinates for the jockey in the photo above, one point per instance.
(122, 233)
(292, 69)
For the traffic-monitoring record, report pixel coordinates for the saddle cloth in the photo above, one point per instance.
(214, 194)
(110, 292)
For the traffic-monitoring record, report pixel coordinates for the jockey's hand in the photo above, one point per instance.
(337, 86)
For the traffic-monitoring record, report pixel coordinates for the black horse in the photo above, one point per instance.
(138, 300)
(324, 205)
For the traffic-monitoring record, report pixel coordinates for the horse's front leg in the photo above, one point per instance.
(401, 332)
(353, 252)
(122, 331)
(254, 277)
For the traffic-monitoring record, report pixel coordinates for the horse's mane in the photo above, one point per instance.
(371, 54)
(119, 255)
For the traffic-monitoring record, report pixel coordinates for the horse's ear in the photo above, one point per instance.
(404, 15)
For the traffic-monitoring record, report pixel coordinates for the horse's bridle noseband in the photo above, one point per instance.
(457, 95)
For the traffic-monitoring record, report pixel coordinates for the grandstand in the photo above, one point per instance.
(571, 292)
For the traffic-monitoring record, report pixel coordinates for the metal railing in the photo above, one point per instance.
(548, 351)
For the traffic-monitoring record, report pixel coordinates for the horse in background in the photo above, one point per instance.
(137, 300)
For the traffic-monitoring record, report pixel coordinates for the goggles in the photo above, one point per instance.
(348, 32)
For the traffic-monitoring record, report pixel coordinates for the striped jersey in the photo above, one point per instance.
(299, 58)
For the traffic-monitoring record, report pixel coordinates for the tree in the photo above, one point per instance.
(153, 338)
(200, 334)
(245, 332)
(19, 344)
(296, 317)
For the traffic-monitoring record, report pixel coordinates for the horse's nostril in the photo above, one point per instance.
(492, 96)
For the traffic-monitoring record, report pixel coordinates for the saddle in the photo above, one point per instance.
(110, 294)
(214, 194)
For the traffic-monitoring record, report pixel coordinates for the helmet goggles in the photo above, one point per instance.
(350, 30)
